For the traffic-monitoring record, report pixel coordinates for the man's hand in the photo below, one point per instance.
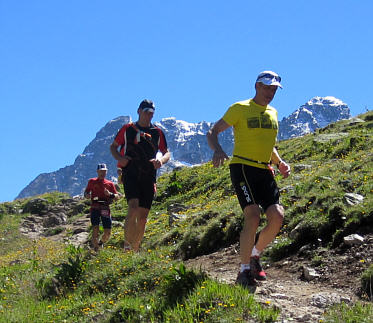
(124, 160)
(157, 163)
(219, 157)
(111, 195)
(284, 169)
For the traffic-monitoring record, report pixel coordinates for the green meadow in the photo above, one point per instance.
(50, 281)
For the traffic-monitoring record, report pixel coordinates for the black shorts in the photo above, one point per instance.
(139, 187)
(254, 185)
(103, 215)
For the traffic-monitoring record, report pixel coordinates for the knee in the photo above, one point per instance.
(252, 214)
(275, 214)
(143, 218)
(133, 204)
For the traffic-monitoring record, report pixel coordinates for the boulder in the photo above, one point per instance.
(353, 198)
(36, 206)
(353, 239)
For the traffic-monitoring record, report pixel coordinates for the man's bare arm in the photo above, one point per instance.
(123, 160)
(283, 167)
(158, 162)
(219, 155)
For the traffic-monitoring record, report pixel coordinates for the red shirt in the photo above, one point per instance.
(97, 188)
(141, 144)
(131, 137)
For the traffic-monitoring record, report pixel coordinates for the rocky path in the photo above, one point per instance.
(298, 299)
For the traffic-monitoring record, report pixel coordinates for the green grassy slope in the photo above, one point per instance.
(44, 281)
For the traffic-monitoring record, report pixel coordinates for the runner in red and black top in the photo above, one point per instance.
(135, 147)
(102, 192)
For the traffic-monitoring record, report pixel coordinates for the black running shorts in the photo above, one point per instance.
(141, 188)
(98, 215)
(254, 185)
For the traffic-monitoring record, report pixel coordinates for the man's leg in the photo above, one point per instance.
(130, 224)
(106, 223)
(106, 236)
(247, 237)
(95, 231)
(247, 240)
(134, 227)
(142, 216)
(275, 216)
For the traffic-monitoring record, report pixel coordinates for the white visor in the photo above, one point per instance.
(269, 78)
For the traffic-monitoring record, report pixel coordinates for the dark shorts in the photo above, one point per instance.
(254, 185)
(141, 188)
(103, 215)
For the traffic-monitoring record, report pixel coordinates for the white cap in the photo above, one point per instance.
(101, 167)
(269, 78)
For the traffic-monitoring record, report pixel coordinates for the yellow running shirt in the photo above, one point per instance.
(255, 131)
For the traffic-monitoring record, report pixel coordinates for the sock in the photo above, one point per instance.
(255, 252)
(244, 267)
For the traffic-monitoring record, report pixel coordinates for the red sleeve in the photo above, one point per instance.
(110, 186)
(120, 137)
(114, 189)
(162, 142)
(89, 186)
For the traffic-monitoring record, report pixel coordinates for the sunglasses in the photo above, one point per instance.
(270, 76)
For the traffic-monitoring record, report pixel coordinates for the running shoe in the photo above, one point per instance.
(127, 247)
(245, 278)
(256, 269)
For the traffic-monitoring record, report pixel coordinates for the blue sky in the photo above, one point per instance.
(68, 67)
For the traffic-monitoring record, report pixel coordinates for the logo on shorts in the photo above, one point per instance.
(245, 192)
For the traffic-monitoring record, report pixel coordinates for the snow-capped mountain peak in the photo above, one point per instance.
(318, 112)
(186, 142)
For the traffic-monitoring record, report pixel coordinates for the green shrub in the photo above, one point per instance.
(53, 231)
(281, 248)
(202, 219)
(233, 228)
(213, 237)
(367, 282)
(179, 283)
(188, 247)
(65, 275)
(343, 313)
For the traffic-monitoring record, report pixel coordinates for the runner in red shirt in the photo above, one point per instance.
(135, 147)
(102, 192)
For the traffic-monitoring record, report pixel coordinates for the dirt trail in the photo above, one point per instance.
(299, 300)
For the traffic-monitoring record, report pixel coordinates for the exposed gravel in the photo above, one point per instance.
(337, 278)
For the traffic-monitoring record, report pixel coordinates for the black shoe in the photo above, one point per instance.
(256, 269)
(100, 244)
(245, 279)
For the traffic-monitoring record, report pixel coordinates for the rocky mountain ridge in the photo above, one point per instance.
(186, 141)
(316, 113)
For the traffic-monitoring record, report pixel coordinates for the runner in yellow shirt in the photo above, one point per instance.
(255, 127)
